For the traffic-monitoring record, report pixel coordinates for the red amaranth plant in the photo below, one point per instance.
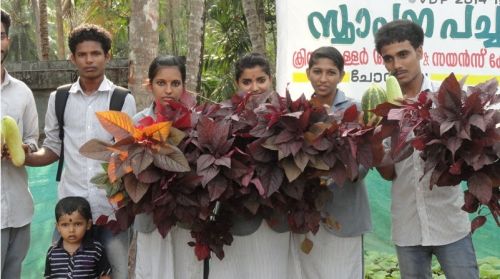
(458, 134)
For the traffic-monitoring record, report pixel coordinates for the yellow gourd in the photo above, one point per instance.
(393, 90)
(12, 138)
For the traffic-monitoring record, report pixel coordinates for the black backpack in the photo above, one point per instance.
(116, 103)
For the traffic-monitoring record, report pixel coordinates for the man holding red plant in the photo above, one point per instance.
(425, 221)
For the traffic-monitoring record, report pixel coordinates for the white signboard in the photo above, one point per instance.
(461, 36)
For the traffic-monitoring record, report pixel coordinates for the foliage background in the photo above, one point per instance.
(226, 36)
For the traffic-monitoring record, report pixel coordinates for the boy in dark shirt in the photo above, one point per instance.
(76, 254)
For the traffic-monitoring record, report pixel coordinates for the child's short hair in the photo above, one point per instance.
(328, 52)
(89, 32)
(250, 61)
(399, 31)
(69, 205)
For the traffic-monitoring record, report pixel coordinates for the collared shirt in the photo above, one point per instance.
(349, 205)
(17, 102)
(421, 216)
(88, 261)
(81, 125)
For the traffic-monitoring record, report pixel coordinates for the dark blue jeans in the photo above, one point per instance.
(457, 260)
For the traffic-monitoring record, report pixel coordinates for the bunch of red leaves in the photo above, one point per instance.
(292, 142)
(458, 134)
(254, 156)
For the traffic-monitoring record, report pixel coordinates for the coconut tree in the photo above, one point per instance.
(255, 25)
(143, 46)
(196, 44)
(60, 30)
(44, 30)
(36, 22)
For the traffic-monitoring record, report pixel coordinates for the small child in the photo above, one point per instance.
(76, 254)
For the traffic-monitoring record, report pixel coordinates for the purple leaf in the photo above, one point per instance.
(140, 159)
(135, 189)
(208, 174)
(204, 161)
(301, 159)
(272, 180)
(477, 223)
(471, 203)
(223, 161)
(173, 161)
(339, 174)
(260, 153)
(453, 144)
(258, 185)
(445, 126)
(395, 114)
(216, 187)
(283, 137)
(96, 149)
(480, 185)
(478, 121)
(291, 170)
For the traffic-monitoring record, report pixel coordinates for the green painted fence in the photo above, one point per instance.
(44, 190)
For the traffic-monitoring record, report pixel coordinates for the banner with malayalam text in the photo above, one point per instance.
(461, 36)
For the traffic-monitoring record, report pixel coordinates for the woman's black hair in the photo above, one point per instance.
(329, 53)
(250, 61)
(69, 205)
(167, 61)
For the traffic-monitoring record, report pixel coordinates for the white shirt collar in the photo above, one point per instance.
(105, 86)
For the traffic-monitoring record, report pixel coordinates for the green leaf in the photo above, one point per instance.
(100, 179)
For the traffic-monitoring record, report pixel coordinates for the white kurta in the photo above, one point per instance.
(331, 257)
(167, 258)
(262, 254)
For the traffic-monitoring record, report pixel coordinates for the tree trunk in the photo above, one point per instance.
(36, 19)
(60, 31)
(172, 12)
(254, 26)
(143, 42)
(196, 34)
(44, 30)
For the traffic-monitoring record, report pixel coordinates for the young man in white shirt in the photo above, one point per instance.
(90, 46)
(425, 222)
(18, 102)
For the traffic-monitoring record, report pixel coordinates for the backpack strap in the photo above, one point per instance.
(116, 103)
(118, 98)
(62, 94)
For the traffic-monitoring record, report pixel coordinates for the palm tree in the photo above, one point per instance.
(36, 19)
(60, 30)
(143, 45)
(196, 44)
(255, 25)
(44, 30)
